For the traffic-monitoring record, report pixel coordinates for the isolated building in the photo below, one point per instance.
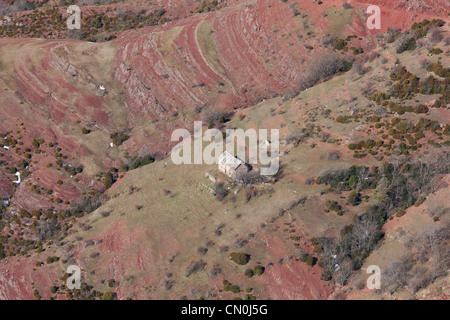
(231, 165)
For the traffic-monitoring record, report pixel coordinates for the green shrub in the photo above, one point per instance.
(119, 138)
(333, 205)
(439, 70)
(108, 296)
(341, 119)
(310, 260)
(407, 44)
(435, 51)
(400, 213)
(326, 275)
(108, 180)
(249, 273)
(357, 50)
(228, 286)
(420, 200)
(239, 257)
(354, 198)
(341, 44)
(258, 270)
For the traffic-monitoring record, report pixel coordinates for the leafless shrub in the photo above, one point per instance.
(297, 203)
(218, 231)
(171, 259)
(435, 35)
(194, 292)
(198, 109)
(405, 41)
(88, 243)
(214, 116)
(249, 177)
(168, 284)
(222, 249)
(194, 267)
(334, 155)
(215, 270)
(329, 40)
(359, 284)
(17, 6)
(248, 195)
(46, 229)
(202, 251)
(358, 67)
(209, 243)
(420, 43)
(373, 55)
(105, 214)
(258, 100)
(289, 94)
(367, 88)
(220, 190)
(340, 296)
(324, 136)
(379, 111)
(5, 9)
(131, 189)
(447, 40)
(239, 243)
(346, 5)
(420, 279)
(440, 260)
(294, 138)
(423, 63)
(344, 273)
(87, 204)
(76, 34)
(437, 210)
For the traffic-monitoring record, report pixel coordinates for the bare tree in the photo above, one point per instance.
(249, 177)
(396, 273)
(344, 273)
(419, 279)
(323, 66)
(435, 35)
(334, 155)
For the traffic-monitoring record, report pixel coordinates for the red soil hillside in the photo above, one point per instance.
(257, 54)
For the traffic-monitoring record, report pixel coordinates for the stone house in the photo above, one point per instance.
(231, 165)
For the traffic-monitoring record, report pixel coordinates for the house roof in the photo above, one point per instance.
(229, 160)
